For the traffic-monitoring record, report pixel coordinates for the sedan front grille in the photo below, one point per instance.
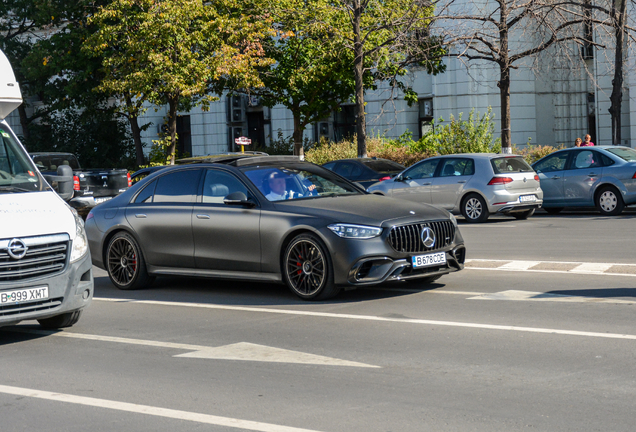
(407, 238)
(45, 255)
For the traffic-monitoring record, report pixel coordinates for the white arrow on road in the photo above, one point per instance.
(253, 352)
(239, 351)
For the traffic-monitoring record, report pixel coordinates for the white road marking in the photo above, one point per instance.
(252, 352)
(379, 318)
(240, 351)
(516, 295)
(519, 265)
(150, 410)
(567, 267)
(591, 268)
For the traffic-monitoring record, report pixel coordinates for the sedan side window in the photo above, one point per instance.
(219, 184)
(145, 196)
(422, 170)
(587, 159)
(457, 167)
(552, 163)
(177, 187)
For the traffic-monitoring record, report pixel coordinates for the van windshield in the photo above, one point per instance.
(17, 173)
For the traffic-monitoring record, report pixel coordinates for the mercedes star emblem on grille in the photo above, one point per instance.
(428, 237)
(17, 249)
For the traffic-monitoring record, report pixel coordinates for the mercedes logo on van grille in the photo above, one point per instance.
(17, 249)
(428, 237)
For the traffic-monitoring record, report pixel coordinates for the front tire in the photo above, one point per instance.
(474, 209)
(60, 321)
(609, 201)
(125, 263)
(307, 268)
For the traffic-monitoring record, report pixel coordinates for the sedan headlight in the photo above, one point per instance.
(453, 219)
(80, 243)
(355, 231)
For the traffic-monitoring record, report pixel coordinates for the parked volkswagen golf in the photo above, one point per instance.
(273, 219)
(601, 176)
(473, 184)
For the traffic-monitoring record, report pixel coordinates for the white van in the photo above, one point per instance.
(45, 264)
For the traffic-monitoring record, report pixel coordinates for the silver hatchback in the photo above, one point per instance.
(473, 184)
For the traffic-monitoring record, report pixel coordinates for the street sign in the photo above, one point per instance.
(243, 141)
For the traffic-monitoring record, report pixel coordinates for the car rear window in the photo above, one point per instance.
(627, 154)
(383, 166)
(508, 164)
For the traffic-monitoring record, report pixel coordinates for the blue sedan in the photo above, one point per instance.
(601, 176)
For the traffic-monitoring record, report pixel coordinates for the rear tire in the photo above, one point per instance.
(474, 209)
(307, 268)
(523, 215)
(125, 263)
(553, 210)
(61, 321)
(609, 201)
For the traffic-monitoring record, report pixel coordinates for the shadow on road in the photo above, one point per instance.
(235, 293)
(598, 293)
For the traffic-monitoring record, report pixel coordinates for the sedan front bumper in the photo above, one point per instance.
(375, 270)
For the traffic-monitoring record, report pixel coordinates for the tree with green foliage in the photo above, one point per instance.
(385, 38)
(39, 38)
(311, 75)
(178, 52)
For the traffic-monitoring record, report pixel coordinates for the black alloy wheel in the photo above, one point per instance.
(307, 268)
(474, 209)
(125, 263)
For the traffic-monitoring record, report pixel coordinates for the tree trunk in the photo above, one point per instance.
(24, 122)
(172, 128)
(619, 10)
(361, 123)
(504, 80)
(504, 93)
(136, 132)
(298, 136)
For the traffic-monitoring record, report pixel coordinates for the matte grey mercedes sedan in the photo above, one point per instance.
(273, 219)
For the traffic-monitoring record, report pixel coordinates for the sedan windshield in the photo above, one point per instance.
(17, 173)
(627, 154)
(279, 183)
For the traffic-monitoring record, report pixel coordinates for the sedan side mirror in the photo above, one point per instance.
(399, 178)
(238, 198)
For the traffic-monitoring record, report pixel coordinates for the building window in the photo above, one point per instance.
(426, 116)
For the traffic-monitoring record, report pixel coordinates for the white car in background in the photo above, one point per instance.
(473, 184)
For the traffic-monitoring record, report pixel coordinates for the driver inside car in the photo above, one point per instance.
(277, 182)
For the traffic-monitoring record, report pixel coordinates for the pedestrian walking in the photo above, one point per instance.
(588, 142)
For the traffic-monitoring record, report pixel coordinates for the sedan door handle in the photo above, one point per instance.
(462, 181)
(202, 216)
(140, 216)
(555, 177)
(426, 184)
(591, 175)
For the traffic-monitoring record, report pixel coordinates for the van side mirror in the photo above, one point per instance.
(62, 183)
(238, 198)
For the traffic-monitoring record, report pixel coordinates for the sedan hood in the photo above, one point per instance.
(372, 210)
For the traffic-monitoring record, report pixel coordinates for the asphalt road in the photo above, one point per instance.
(537, 333)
